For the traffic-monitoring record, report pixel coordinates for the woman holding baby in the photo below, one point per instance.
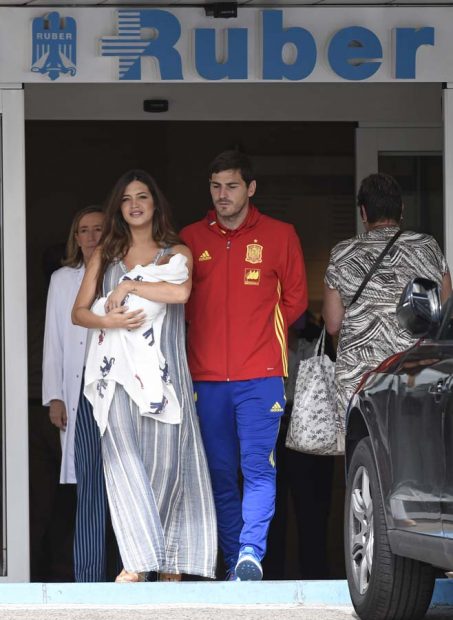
(155, 468)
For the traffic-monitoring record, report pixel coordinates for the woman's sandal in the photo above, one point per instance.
(169, 577)
(126, 577)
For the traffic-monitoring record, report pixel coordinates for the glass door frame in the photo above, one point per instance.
(16, 552)
(374, 139)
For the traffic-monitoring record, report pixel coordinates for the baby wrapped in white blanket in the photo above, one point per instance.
(133, 358)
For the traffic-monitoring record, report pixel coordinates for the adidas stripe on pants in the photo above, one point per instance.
(239, 423)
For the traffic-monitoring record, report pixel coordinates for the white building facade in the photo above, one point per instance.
(387, 69)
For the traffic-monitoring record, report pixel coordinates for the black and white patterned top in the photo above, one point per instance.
(370, 331)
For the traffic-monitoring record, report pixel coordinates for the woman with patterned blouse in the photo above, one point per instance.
(368, 329)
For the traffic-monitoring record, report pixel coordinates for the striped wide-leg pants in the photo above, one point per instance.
(89, 538)
(141, 466)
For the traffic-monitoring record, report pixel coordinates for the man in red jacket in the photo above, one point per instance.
(248, 286)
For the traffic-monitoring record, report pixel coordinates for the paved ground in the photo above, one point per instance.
(229, 612)
(283, 600)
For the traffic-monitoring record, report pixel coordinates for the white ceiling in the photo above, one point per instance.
(254, 3)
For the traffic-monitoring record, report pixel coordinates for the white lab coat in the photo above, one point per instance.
(64, 357)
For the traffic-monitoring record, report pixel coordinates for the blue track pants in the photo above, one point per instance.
(239, 423)
(90, 527)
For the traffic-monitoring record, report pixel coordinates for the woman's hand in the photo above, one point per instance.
(120, 318)
(57, 414)
(117, 296)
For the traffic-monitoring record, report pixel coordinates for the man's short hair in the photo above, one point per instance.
(233, 160)
(380, 195)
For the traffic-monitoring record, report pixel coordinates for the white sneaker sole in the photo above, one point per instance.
(249, 569)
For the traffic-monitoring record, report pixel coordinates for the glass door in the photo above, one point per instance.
(420, 176)
(414, 157)
(14, 555)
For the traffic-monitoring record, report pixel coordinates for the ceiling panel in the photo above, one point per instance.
(55, 3)
(254, 3)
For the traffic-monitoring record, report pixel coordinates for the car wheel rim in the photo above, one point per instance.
(361, 530)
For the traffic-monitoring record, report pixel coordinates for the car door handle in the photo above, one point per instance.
(438, 388)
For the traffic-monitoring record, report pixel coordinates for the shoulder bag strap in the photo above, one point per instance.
(321, 342)
(374, 266)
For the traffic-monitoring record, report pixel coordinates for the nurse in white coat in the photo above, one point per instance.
(63, 362)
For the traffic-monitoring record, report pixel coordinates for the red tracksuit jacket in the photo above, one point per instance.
(248, 285)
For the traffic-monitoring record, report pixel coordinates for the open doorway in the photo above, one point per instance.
(305, 175)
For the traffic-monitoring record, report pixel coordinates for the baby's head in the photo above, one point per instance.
(165, 259)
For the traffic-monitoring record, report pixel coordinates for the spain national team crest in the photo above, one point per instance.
(54, 45)
(254, 253)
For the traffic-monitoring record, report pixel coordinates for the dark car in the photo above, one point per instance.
(399, 465)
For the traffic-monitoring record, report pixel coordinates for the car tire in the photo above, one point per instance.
(382, 585)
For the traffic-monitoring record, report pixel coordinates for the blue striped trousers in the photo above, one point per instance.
(89, 537)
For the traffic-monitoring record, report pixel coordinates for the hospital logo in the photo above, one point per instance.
(254, 253)
(205, 256)
(252, 276)
(54, 45)
(129, 47)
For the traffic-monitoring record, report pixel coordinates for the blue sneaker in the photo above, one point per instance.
(248, 567)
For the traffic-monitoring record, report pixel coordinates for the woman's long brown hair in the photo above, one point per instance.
(116, 238)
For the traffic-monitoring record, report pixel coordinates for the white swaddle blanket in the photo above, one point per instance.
(133, 358)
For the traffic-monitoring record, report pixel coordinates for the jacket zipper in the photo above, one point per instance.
(228, 246)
